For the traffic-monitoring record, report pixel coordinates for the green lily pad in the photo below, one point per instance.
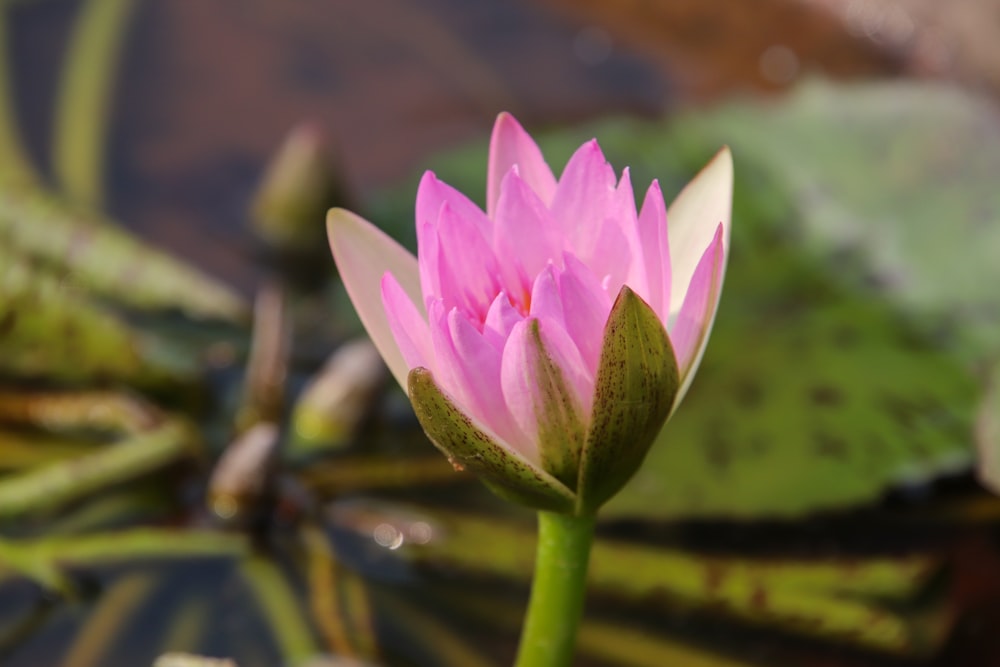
(895, 187)
(822, 387)
(803, 404)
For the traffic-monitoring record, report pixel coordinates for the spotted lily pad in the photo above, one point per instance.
(808, 401)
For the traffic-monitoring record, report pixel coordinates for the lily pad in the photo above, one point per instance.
(803, 404)
(895, 190)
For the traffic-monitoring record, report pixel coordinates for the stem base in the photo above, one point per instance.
(558, 590)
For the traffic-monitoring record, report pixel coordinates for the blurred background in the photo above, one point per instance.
(185, 468)
(206, 93)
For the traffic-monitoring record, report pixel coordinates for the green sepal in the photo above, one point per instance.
(561, 429)
(637, 381)
(467, 447)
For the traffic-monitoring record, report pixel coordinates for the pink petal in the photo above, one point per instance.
(693, 217)
(586, 208)
(689, 332)
(433, 194)
(584, 193)
(478, 374)
(500, 320)
(429, 258)
(586, 306)
(448, 368)
(519, 387)
(510, 145)
(519, 373)
(552, 314)
(545, 300)
(407, 324)
(469, 273)
(524, 233)
(656, 250)
(363, 254)
(623, 213)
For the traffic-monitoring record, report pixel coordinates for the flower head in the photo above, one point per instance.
(545, 340)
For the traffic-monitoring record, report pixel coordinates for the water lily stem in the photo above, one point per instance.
(557, 591)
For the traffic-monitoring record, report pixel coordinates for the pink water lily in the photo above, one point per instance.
(545, 340)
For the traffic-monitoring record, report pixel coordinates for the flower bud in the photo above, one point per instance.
(544, 341)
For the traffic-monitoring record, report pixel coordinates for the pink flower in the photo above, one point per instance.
(544, 341)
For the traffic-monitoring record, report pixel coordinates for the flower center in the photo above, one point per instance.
(522, 305)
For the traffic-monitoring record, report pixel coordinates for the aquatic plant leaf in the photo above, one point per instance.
(129, 505)
(92, 253)
(435, 641)
(802, 407)
(48, 330)
(864, 601)
(20, 451)
(47, 487)
(85, 96)
(625, 644)
(895, 189)
(44, 559)
(843, 394)
(899, 193)
(97, 256)
(123, 599)
(617, 643)
(817, 391)
(83, 412)
(278, 604)
(352, 474)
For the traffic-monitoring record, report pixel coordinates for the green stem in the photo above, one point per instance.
(557, 591)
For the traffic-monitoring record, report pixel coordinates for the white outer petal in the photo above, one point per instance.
(363, 253)
(694, 217)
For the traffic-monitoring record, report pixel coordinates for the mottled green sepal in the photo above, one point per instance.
(468, 447)
(637, 380)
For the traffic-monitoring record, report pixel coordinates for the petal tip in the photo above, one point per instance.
(594, 148)
(428, 181)
(339, 220)
(506, 129)
(505, 118)
(722, 160)
(335, 215)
